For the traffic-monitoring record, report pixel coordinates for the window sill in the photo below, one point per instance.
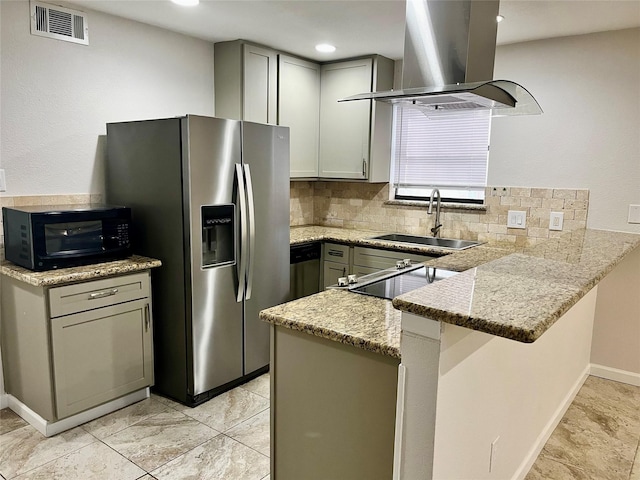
(448, 206)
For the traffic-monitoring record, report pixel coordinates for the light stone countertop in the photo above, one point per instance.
(516, 293)
(134, 263)
(358, 320)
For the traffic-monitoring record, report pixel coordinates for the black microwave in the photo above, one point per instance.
(50, 237)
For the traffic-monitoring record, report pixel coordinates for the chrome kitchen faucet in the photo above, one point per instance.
(436, 228)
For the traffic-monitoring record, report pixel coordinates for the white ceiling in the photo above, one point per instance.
(357, 27)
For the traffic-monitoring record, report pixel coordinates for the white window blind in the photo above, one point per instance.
(449, 151)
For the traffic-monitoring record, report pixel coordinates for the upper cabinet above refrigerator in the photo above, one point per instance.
(246, 82)
(329, 140)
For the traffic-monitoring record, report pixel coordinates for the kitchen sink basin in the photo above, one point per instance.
(430, 241)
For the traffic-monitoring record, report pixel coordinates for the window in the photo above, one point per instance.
(449, 151)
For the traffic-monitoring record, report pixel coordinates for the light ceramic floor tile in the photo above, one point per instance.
(25, 448)
(548, 469)
(10, 421)
(159, 439)
(599, 432)
(635, 470)
(260, 385)
(228, 409)
(123, 418)
(93, 462)
(220, 458)
(268, 477)
(254, 432)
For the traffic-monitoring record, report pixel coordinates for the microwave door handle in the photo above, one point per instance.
(252, 229)
(242, 207)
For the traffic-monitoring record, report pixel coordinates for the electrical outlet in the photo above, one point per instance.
(517, 219)
(3, 181)
(556, 219)
(493, 454)
(634, 213)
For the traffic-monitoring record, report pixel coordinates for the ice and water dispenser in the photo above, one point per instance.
(218, 235)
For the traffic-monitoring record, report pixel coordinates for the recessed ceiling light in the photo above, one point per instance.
(325, 48)
(186, 3)
(499, 18)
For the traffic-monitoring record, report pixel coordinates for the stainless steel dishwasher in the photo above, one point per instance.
(305, 270)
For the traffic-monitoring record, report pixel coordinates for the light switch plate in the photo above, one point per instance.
(556, 219)
(3, 181)
(517, 219)
(634, 213)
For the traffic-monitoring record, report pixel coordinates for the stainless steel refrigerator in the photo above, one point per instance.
(210, 198)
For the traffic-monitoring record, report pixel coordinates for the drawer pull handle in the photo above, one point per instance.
(105, 293)
(336, 253)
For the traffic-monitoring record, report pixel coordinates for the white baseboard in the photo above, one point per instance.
(551, 425)
(615, 374)
(4, 400)
(48, 429)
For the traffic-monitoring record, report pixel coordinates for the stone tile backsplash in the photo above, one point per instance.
(365, 206)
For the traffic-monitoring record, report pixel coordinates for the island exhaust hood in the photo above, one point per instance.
(449, 52)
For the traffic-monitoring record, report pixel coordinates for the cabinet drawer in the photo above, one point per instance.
(99, 293)
(381, 259)
(334, 252)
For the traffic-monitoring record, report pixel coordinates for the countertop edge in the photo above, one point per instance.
(48, 278)
(332, 335)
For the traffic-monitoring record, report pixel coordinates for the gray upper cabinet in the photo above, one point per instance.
(329, 140)
(246, 78)
(299, 109)
(355, 137)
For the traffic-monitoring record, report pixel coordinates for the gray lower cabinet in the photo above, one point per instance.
(70, 348)
(336, 262)
(333, 409)
(371, 260)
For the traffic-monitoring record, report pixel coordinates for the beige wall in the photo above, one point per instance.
(589, 134)
(616, 332)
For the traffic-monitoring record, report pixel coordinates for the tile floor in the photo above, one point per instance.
(224, 438)
(228, 438)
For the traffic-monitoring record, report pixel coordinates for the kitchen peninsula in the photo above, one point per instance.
(491, 358)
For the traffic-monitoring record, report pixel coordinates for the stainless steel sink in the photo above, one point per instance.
(430, 241)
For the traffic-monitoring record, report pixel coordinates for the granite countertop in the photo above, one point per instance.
(516, 293)
(47, 278)
(362, 238)
(519, 296)
(365, 322)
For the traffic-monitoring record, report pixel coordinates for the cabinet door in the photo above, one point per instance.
(345, 127)
(331, 272)
(100, 355)
(381, 259)
(260, 85)
(299, 109)
(359, 271)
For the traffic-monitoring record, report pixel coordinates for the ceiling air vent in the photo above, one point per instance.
(60, 23)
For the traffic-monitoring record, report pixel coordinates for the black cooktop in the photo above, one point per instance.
(402, 282)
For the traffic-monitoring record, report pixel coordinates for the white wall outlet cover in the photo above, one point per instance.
(556, 219)
(3, 181)
(634, 213)
(517, 219)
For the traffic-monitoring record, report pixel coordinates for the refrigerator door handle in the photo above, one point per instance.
(252, 229)
(242, 265)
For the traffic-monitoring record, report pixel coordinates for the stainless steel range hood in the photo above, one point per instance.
(449, 52)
